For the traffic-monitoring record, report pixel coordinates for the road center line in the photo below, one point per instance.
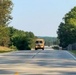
(36, 54)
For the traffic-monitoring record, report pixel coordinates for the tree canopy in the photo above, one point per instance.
(10, 36)
(67, 29)
(21, 40)
(6, 7)
(5, 17)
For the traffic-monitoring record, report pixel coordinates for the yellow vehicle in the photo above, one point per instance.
(39, 44)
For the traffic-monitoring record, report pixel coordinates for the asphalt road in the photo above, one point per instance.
(39, 62)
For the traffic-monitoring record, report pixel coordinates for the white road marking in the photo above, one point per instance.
(71, 55)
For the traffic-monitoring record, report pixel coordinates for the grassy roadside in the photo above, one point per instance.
(73, 51)
(5, 49)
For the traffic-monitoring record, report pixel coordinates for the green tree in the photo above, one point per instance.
(22, 40)
(4, 36)
(5, 11)
(12, 32)
(5, 17)
(67, 29)
(31, 38)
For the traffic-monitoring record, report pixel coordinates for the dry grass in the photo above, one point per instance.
(5, 49)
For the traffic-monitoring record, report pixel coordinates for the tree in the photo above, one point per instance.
(31, 38)
(5, 17)
(5, 11)
(67, 30)
(22, 40)
(4, 36)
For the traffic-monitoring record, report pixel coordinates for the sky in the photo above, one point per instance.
(42, 17)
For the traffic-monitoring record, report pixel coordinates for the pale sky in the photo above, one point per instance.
(42, 17)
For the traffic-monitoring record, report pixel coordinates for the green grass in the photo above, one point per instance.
(5, 51)
(73, 51)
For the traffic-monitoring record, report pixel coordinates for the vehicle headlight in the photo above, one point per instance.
(36, 46)
(41, 46)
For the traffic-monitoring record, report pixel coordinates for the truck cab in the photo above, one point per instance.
(39, 44)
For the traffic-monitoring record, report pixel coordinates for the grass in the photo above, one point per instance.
(73, 51)
(5, 49)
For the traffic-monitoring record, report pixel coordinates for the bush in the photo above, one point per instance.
(13, 47)
(56, 47)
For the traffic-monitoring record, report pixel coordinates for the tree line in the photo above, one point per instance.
(19, 39)
(67, 29)
(50, 40)
(9, 36)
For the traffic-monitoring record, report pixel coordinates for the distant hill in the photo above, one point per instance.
(49, 40)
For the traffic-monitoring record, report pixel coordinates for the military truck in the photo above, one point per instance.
(39, 44)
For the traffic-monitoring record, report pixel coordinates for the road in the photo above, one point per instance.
(39, 62)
